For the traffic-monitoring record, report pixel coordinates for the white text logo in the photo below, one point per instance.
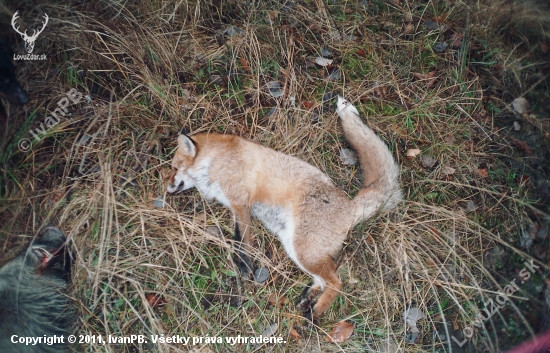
(29, 40)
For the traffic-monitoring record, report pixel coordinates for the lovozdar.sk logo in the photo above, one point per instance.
(29, 39)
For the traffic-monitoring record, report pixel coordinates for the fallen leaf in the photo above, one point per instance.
(544, 47)
(272, 16)
(349, 38)
(411, 316)
(323, 61)
(420, 76)
(471, 206)
(441, 18)
(525, 239)
(308, 104)
(273, 299)
(427, 161)
(310, 63)
(277, 301)
(430, 78)
(244, 63)
(232, 31)
(275, 88)
(521, 105)
(335, 34)
(524, 179)
(522, 146)
(216, 80)
(413, 152)
(295, 334)
(340, 333)
(483, 172)
(214, 231)
(432, 25)
(440, 46)
(333, 73)
(353, 278)
(448, 170)
(348, 156)
(389, 347)
(155, 300)
(456, 39)
(325, 51)
(271, 330)
(449, 139)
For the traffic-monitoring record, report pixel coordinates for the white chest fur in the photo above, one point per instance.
(209, 190)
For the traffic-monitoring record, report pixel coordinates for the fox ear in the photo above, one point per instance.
(187, 145)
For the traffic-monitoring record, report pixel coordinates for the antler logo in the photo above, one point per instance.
(29, 40)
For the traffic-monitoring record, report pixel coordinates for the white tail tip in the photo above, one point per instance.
(343, 106)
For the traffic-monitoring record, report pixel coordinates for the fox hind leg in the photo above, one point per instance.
(323, 272)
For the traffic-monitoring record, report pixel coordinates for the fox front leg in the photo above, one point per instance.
(242, 241)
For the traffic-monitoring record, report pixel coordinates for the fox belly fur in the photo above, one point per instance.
(292, 198)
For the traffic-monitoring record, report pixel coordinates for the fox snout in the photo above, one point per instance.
(176, 185)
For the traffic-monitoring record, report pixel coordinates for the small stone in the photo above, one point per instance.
(325, 52)
(440, 46)
(231, 31)
(159, 202)
(261, 274)
(275, 88)
(471, 206)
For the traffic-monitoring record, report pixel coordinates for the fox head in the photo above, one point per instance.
(182, 161)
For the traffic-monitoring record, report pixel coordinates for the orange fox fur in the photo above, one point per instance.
(292, 198)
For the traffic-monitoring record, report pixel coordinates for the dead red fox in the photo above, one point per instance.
(292, 198)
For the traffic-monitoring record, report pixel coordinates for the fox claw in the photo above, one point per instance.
(245, 266)
(304, 304)
(245, 271)
(310, 319)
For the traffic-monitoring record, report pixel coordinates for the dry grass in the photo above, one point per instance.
(150, 69)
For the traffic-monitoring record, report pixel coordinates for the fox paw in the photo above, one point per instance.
(311, 320)
(245, 267)
(304, 304)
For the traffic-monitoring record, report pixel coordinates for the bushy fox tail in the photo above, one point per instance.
(380, 172)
